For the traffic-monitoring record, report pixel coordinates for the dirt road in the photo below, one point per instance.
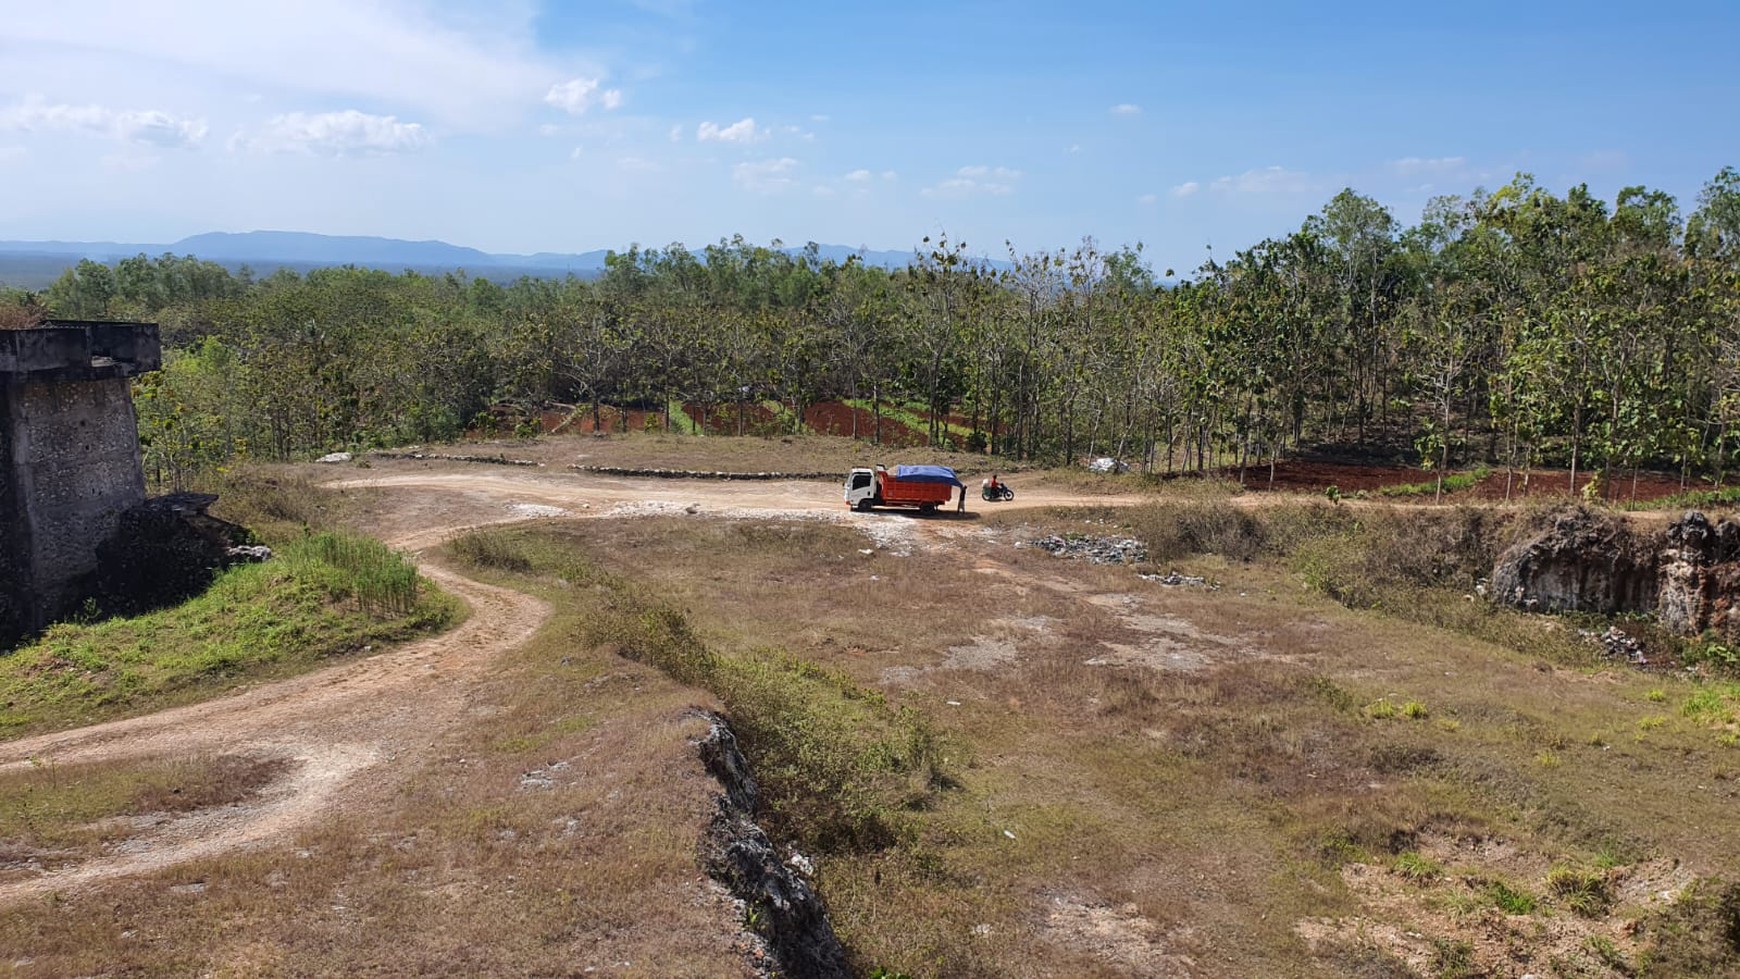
(385, 710)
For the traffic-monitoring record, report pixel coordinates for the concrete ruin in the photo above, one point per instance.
(69, 459)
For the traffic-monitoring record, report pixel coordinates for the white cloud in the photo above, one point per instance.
(1186, 189)
(1267, 180)
(577, 95)
(1414, 166)
(347, 133)
(150, 126)
(10, 153)
(548, 130)
(418, 57)
(576, 153)
(859, 176)
(819, 118)
(741, 131)
(1147, 200)
(1073, 149)
(976, 181)
(1126, 109)
(676, 134)
(823, 191)
(766, 176)
(889, 175)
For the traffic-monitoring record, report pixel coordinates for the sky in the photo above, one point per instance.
(536, 125)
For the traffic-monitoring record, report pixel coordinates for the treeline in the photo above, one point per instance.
(1514, 326)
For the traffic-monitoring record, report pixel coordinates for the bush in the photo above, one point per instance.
(1585, 892)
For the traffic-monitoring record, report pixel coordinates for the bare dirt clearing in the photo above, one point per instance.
(1146, 780)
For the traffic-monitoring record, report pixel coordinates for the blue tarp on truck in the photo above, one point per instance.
(927, 474)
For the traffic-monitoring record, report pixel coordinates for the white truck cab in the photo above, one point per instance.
(861, 489)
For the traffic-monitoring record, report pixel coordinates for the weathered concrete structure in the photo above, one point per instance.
(69, 457)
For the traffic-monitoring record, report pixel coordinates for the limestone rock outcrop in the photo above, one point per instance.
(1579, 560)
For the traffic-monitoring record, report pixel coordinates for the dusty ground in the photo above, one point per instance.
(352, 731)
(372, 740)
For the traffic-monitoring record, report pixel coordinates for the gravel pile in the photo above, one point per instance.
(1617, 645)
(1173, 579)
(1099, 550)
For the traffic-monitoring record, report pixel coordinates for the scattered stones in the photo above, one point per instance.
(701, 474)
(1616, 644)
(542, 778)
(1099, 550)
(536, 510)
(249, 554)
(335, 457)
(439, 457)
(1173, 579)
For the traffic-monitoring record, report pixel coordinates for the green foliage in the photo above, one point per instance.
(377, 578)
(1585, 892)
(1412, 865)
(1451, 483)
(1510, 900)
(1453, 959)
(1529, 326)
(322, 597)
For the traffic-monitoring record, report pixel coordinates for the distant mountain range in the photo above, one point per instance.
(34, 264)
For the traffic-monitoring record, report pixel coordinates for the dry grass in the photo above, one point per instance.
(555, 834)
(13, 317)
(1127, 779)
(71, 809)
(1209, 808)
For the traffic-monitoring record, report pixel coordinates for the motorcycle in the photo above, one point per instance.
(995, 493)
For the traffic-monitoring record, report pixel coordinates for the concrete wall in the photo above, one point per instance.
(14, 544)
(69, 458)
(76, 468)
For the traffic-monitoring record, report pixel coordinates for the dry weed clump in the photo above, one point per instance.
(17, 317)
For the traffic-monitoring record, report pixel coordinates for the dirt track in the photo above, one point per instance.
(384, 711)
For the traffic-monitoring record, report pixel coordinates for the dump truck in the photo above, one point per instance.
(925, 487)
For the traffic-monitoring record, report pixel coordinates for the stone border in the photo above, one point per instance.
(438, 457)
(702, 474)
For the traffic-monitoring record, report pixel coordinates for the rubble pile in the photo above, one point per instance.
(1615, 644)
(1173, 579)
(1099, 550)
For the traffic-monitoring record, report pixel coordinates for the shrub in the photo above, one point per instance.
(1413, 866)
(1509, 899)
(1585, 892)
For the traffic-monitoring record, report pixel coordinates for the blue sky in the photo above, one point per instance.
(542, 126)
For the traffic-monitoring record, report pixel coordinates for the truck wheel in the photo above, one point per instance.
(865, 504)
(926, 507)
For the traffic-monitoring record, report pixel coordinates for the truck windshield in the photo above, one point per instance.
(860, 480)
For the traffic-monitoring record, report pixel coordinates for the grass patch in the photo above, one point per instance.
(51, 805)
(1422, 567)
(1692, 499)
(1417, 868)
(326, 595)
(1509, 899)
(1585, 892)
(837, 764)
(1454, 482)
